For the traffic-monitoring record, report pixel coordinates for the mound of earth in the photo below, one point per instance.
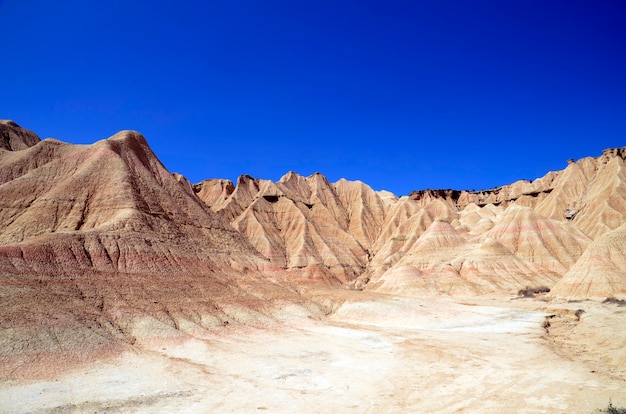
(100, 246)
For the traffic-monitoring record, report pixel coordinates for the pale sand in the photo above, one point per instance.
(391, 354)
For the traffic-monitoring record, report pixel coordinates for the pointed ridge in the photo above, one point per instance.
(244, 179)
(15, 138)
(491, 246)
(289, 176)
(615, 152)
(128, 135)
(318, 178)
(440, 234)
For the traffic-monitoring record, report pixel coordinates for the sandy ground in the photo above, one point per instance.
(373, 354)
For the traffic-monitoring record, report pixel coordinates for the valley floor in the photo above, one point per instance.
(373, 354)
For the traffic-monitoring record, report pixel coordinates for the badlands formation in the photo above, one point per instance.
(125, 288)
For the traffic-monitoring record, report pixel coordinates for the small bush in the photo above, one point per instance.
(618, 302)
(579, 313)
(529, 292)
(613, 410)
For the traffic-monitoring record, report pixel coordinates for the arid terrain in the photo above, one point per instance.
(126, 288)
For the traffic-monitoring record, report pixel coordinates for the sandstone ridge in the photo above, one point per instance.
(346, 233)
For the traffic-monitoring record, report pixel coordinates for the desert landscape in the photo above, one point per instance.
(126, 288)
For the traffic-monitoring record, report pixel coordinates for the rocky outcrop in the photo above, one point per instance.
(523, 191)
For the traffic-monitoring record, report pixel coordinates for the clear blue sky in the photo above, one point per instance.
(402, 95)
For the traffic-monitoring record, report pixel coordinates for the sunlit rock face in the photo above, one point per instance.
(114, 249)
(304, 224)
(600, 272)
(99, 240)
(498, 240)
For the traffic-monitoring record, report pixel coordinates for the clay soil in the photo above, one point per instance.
(373, 353)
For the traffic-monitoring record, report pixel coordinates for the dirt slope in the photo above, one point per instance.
(99, 240)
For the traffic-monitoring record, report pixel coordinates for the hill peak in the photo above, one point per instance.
(15, 138)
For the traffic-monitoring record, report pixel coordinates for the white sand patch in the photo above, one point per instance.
(438, 315)
(395, 355)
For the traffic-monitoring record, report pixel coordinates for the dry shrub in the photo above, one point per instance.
(529, 292)
(618, 302)
(613, 410)
(579, 313)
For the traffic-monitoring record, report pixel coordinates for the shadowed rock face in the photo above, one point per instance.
(14, 138)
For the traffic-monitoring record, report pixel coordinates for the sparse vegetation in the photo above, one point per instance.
(613, 410)
(579, 313)
(618, 302)
(529, 292)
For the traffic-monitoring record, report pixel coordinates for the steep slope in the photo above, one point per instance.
(425, 268)
(602, 206)
(405, 222)
(439, 244)
(590, 193)
(63, 189)
(600, 272)
(15, 138)
(569, 185)
(443, 261)
(477, 220)
(113, 249)
(529, 232)
(313, 228)
(103, 249)
(550, 246)
(61, 215)
(366, 210)
(493, 268)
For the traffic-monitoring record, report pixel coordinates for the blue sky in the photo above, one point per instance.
(402, 95)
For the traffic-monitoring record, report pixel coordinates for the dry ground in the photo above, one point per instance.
(373, 354)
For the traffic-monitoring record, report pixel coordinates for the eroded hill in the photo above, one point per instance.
(101, 247)
(438, 241)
